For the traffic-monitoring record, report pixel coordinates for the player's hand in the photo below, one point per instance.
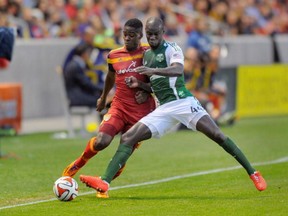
(145, 70)
(141, 96)
(132, 82)
(101, 104)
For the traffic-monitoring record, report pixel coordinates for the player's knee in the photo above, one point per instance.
(102, 142)
(126, 138)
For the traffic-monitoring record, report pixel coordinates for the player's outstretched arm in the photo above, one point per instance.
(175, 69)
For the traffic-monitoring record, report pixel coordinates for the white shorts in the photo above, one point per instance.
(187, 111)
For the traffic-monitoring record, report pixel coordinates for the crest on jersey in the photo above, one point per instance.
(159, 57)
(106, 117)
(181, 93)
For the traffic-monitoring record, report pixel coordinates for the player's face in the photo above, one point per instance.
(154, 35)
(131, 37)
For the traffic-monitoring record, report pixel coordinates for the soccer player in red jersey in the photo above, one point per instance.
(128, 105)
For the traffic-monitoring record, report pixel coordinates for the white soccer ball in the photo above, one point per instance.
(65, 188)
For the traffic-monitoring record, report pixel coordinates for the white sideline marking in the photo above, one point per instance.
(280, 160)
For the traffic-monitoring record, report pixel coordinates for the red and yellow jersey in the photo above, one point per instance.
(123, 63)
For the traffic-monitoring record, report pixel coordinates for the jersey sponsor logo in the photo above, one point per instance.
(130, 68)
(160, 57)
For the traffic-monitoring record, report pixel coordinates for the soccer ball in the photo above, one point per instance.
(65, 188)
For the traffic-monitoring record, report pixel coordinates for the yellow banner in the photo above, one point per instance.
(262, 90)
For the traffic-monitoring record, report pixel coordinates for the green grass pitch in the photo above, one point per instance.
(174, 175)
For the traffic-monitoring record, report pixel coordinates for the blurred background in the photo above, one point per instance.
(236, 53)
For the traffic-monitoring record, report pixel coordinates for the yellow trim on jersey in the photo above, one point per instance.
(123, 59)
(128, 58)
(145, 44)
(117, 49)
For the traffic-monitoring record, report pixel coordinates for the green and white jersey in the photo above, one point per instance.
(166, 88)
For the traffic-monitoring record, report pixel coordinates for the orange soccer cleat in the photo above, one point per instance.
(71, 170)
(95, 182)
(102, 195)
(258, 181)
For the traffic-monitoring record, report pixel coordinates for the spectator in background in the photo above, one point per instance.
(3, 18)
(87, 37)
(219, 10)
(63, 18)
(248, 25)
(71, 8)
(37, 24)
(14, 18)
(57, 27)
(203, 59)
(171, 23)
(233, 23)
(96, 65)
(200, 77)
(80, 90)
(202, 6)
(6, 46)
(199, 37)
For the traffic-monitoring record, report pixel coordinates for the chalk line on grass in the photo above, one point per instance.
(277, 161)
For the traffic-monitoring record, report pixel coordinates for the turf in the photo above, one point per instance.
(35, 161)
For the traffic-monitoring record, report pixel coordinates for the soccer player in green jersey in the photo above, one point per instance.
(164, 64)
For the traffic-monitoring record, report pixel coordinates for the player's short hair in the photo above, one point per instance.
(155, 21)
(82, 48)
(135, 23)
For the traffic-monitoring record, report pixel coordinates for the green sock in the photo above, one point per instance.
(119, 159)
(230, 147)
